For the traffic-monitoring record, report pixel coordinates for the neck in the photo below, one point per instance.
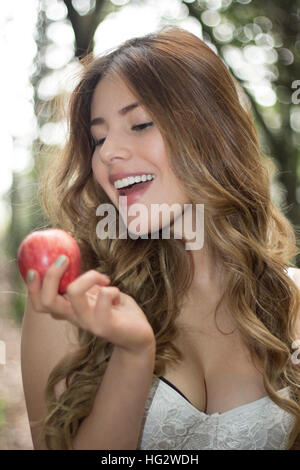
(205, 292)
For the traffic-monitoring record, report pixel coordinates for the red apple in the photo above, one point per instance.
(41, 248)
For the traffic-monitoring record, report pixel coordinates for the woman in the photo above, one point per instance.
(153, 367)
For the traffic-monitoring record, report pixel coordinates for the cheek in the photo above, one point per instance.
(96, 167)
(98, 172)
(158, 150)
(94, 164)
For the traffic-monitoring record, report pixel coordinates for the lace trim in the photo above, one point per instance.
(154, 386)
(173, 423)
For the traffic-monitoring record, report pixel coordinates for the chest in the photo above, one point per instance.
(217, 372)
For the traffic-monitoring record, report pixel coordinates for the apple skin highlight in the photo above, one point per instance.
(41, 248)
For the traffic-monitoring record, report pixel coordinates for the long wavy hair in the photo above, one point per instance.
(208, 129)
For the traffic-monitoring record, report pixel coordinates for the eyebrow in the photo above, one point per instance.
(122, 112)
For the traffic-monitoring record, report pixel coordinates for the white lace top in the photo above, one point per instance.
(172, 422)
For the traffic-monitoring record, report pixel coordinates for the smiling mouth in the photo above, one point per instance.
(133, 187)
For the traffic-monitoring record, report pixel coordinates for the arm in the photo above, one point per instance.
(115, 419)
(116, 416)
(44, 342)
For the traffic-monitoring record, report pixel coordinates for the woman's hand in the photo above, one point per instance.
(91, 304)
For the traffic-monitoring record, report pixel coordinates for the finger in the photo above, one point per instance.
(116, 297)
(94, 291)
(33, 283)
(107, 297)
(91, 293)
(85, 315)
(88, 282)
(51, 281)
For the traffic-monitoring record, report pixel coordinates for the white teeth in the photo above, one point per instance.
(118, 184)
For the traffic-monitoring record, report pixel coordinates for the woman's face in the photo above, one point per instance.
(124, 147)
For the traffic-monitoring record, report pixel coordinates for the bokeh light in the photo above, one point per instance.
(56, 10)
(137, 19)
(83, 7)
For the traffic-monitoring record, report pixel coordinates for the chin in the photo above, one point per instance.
(141, 228)
(147, 231)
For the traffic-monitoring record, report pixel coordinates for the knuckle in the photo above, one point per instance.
(70, 290)
(91, 272)
(111, 290)
(89, 275)
(95, 273)
(36, 306)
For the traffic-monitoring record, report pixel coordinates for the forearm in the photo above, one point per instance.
(116, 417)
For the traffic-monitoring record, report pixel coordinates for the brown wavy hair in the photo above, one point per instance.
(209, 131)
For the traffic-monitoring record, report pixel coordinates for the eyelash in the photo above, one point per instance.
(139, 127)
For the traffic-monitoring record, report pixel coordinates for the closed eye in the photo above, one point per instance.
(138, 128)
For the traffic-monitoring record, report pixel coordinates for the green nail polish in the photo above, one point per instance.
(30, 276)
(60, 261)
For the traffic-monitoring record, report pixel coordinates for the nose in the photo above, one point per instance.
(112, 149)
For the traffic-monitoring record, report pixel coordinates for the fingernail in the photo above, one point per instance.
(30, 276)
(60, 261)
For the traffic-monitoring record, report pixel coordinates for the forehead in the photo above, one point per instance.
(111, 91)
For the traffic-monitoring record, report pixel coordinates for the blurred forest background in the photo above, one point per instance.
(259, 42)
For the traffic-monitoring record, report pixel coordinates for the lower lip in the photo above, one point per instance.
(135, 194)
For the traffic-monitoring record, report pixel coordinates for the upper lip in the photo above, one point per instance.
(119, 176)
